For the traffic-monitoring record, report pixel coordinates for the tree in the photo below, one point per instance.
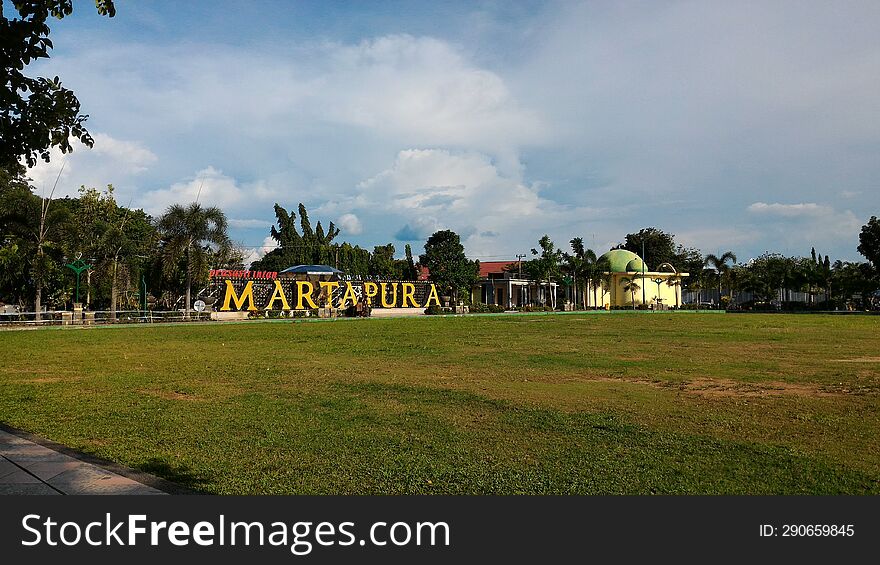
(36, 114)
(599, 276)
(382, 262)
(582, 266)
(188, 232)
(722, 269)
(410, 271)
(632, 286)
(674, 282)
(659, 246)
(575, 264)
(547, 266)
(869, 241)
(549, 259)
(37, 226)
(447, 264)
(313, 246)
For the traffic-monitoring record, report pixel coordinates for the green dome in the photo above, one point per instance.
(623, 261)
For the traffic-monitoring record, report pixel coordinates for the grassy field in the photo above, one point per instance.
(621, 403)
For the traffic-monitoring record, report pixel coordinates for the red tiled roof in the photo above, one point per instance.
(494, 267)
(486, 268)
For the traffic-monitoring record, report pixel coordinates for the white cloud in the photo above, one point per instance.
(256, 253)
(110, 161)
(432, 189)
(349, 224)
(789, 210)
(210, 187)
(132, 155)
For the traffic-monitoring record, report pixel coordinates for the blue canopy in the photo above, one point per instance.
(312, 270)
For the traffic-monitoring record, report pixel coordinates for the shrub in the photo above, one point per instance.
(433, 310)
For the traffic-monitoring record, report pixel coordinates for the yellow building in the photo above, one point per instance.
(629, 281)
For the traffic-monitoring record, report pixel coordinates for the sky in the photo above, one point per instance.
(743, 126)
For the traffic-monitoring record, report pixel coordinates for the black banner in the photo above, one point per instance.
(178, 529)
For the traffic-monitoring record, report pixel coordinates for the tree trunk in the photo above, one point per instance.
(38, 302)
(188, 285)
(38, 281)
(113, 292)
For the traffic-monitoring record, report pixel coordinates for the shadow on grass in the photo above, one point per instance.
(182, 477)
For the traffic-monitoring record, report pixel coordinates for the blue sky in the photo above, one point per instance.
(748, 126)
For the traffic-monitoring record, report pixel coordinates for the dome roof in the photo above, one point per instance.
(623, 261)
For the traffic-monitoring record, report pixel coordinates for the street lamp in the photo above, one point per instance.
(143, 289)
(658, 280)
(78, 266)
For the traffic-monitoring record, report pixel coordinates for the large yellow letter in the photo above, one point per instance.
(278, 294)
(303, 293)
(329, 286)
(349, 295)
(246, 294)
(371, 289)
(432, 296)
(385, 303)
(409, 289)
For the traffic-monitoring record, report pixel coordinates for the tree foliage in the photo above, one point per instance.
(447, 264)
(659, 246)
(36, 113)
(187, 234)
(869, 241)
(547, 266)
(310, 246)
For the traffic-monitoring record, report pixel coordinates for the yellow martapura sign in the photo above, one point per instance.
(289, 294)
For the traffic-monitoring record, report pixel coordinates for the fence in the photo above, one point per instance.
(99, 317)
(711, 296)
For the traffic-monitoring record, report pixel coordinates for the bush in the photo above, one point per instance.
(433, 310)
(530, 308)
(480, 308)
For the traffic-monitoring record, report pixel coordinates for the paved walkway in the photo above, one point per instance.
(27, 467)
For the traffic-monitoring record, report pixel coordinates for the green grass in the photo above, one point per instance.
(503, 404)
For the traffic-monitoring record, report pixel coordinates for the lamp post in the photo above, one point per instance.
(78, 266)
(658, 280)
(643, 270)
(143, 288)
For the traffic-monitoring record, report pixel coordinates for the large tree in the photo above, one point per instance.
(869, 241)
(447, 264)
(188, 233)
(33, 226)
(309, 246)
(659, 246)
(36, 113)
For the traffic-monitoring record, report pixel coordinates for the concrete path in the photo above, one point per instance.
(27, 467)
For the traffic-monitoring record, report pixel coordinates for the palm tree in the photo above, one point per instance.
(674, 282)
(579, 265)
(630, 285)
(599, 275)
(721, 268)
(188, 232)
